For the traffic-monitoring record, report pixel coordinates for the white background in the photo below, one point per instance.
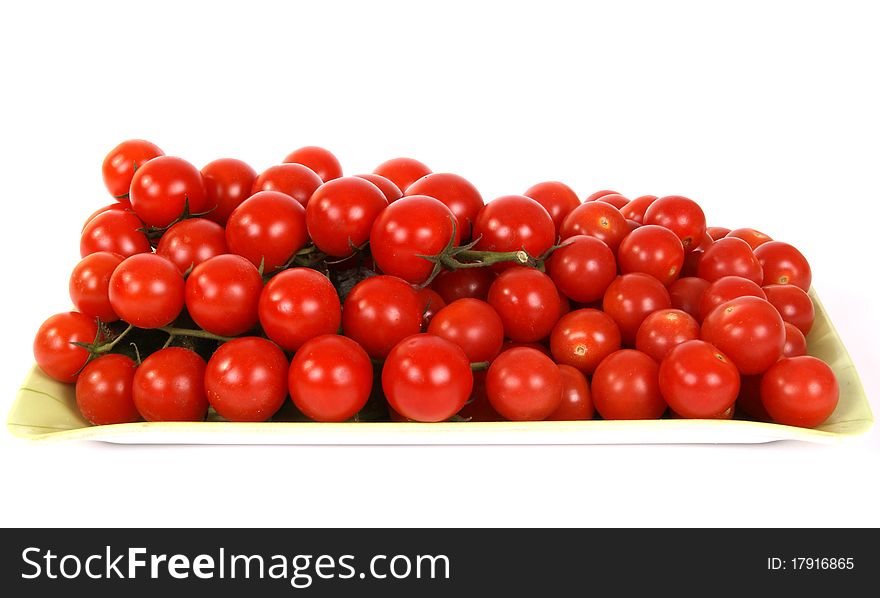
(767, 113)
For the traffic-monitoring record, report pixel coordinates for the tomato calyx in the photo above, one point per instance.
(155, 232)
(307, 257)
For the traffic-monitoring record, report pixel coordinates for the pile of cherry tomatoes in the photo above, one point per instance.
(402, 295)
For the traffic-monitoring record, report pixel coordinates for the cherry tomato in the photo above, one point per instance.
(577, 401)
(389, 189)
(653, 250)
(726, 288)
(527, 302)
(635, 209)
(170, 386)
(228, 182)
(431, 303)
(582, 268)
(54, 350)
(536, 346)
(698, 381)
(470, 283)
(795, 342)
(625, 386)
(792, 303)
(163, 187)
(222, 295)
(754, 238)
(319, 160)
(557, 198)
(403, 172)
(799, 391)
(615, 199)
(267, 228)
(295, 180)
(379, 312)
(341, 213)
(123, 160)
(246, 379)
(596, 219)
(686, 294)
(598, 194)
(629, 300)
(104, 390)
(116, 231)
(524, 385)
(427, 378)
(784, 264)
(730, 256)
(456, 193)
(748, 330)
(297, 305)
(514, 222)
(681, 215)
(330, 378)
(120, 205)
(147, 291)
(663, 330)
(192, 241)
(90, 283)
(717, 232)
(473, 325)
(583, 338)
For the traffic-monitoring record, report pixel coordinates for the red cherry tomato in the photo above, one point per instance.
(222, 295)
(473, 325)
(577, 401)
(583, 338)
(341, 213)
(698, 381)
(730, 256)
(163, 187)
(748, 330)
(267, 228)
(403, 172)
(792, 303)
(389, 189)
(295, 180)
(598, 194)
(754, 238)
(596, 219)
(147, 291)
(681, 215)
(120, 205)
(784, 264)
(297, 305)
(228, 182)
(726, 288)
(115, 231)
(89, 285)
(536, 346)
(795, 342)
(330, 378)
(431, 303)
(582, 268)
(121, 163)
(514, 222)
(625, 386)
(557, 198)
(427, 378)
(170, 386)
(524, 385)
(686, 294)
(717, 232)
(615, 199)
(800, 391)
(246, 379)
(104, 390)
(456, 193)
(317, 159)
(379, 312)
(527, 302)
(470, 283)
(192, 241)
(629, 300)
(665, 329)
(635, 209)
(54, 348)
(653, 250)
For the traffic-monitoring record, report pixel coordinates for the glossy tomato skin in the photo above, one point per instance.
(120, 205)
(321, 161)
(523, 384)
(163, 187)
(577, 401)
(246, 379)
(800, 391)
(583, 338)
(222, 295)
(123, 160)
(615, 199)
(527, 302)
(557, 198)
(652, 250)
(471, 324)
(268, 228)
(784, 264)
(104, 390)
(625, 386)
(190, 242)
(630, 298)
(726, 288)
(597, 194)
(389, 189)
(330, 378)
(596, 219)
(635, 209)
(147, 291)
(427, 378)
(748, 330)
(115, 231)
(473, 283)
(431, 303)
(665, 329)
(754, 238)
(514, 222)
(698, 381)
(792, 303)
(294, 180)
(730, 256)
(456, 193)
(403, 172)
(379, 312)
(54, 351)
(170, 386)
(795, 342)
(582, 268)
(297, 305)
(228, 182)
(682, 216)
(341, 212)
(686, 294)
(717, 232)
(89, 285)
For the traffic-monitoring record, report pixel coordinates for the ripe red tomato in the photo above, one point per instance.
(228, 182)
(297, 305)
(122, 161)
(330, 378)
(663, 330)
(222, 295)
(147, 291)
(427, 378)
(120, 205)
(341, 213)
(54, 350)
(473, 283)
(577, 401)
(514, 222)
(268, 228)
(295, 180)
(730, 256)
(615, 199)
(795, 342)
(403, 172)
(792, 303)
(748, 330)
(682, 216)
(379, 312)
(686, 294)
(652, 250)
(116, 231)
(246, 379)
(698, 381)
(630, 298)
(388, 189)
(717, 232)
(536, 346)
(726, 288)
(163, 186)
(625, 386)
(170, 386)
(104, 390)
(799, 391)
(524, 385)
(321, 161)
(471, 324)
(192, 241)
(635, 209)
(582, 268)
(596, 219)
(557, 198)
(754, 238)
(784, 264)
(456, 193)
(527, 302)
(90, 283)
(598, 194)
(583, 338)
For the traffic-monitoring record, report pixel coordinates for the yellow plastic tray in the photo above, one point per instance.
(46, 410)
